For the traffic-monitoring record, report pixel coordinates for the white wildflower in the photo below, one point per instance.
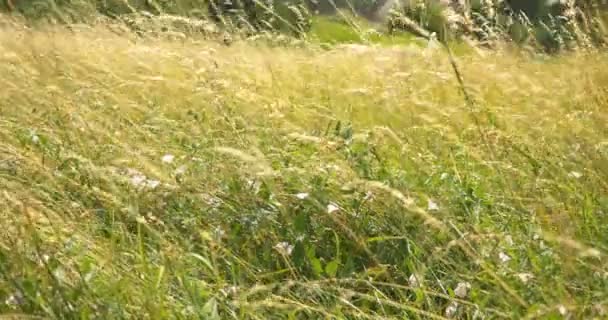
(219, 232)
(138, 180)
(284, 248)
(562, 310)
(432, 206)
(14, 299)
(168, 158)
(575, 174)
(302, 195)
(525, 277)
(451, 310)
(35, 138)
(141, 219)
(504, 258)
(152, 184)
(462, 289)
(444, 176)
(413, 281)
(331, 208)
(181, 170)
(229, 291)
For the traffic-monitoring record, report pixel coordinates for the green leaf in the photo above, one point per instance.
(331, 268)
(316, 266)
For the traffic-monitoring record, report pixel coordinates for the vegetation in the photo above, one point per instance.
(552, 26)
(150, 171)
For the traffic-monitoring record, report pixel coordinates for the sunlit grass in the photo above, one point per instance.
(158, 179)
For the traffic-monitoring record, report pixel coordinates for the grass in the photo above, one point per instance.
(157, 179)
(352, 30)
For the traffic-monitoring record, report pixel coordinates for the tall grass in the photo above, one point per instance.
(187, 179)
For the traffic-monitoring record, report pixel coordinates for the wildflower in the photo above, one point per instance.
(219, 232)
(451, 310)
(462, 289)
(413, 281)
(432, 206)
(152, 184)
(14, 299)
(284, 248)
(504, 258)
(138, 180)
(525, 277)
(562, 310)
(302, 195)
(229, 291)
(180, 170)
(35, 138)
(168, 158)
(331, 208)
(575, 174)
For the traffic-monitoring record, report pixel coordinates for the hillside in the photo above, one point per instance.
(155, 179)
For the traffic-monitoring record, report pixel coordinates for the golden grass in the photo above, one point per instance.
(253, 125)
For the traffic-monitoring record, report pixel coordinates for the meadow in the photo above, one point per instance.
(155, 178)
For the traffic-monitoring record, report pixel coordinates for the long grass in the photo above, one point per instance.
(155, 179)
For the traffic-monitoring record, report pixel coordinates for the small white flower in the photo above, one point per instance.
(152, 184)
(413, 281)
(462, 289)
(14, 300)
(331, 208)
(141, 219)
(181, 170)
(302, 195)
(562, 310)
(284, 248)
(168, 158)
(229, 291)
(432, 206)
(504, 258)
(138, 180)
(451, 310)
(219, 232)
(575, 174)
(35, 138)
(525, 277)
(444, 176)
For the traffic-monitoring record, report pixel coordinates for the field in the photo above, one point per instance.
(155, 179)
